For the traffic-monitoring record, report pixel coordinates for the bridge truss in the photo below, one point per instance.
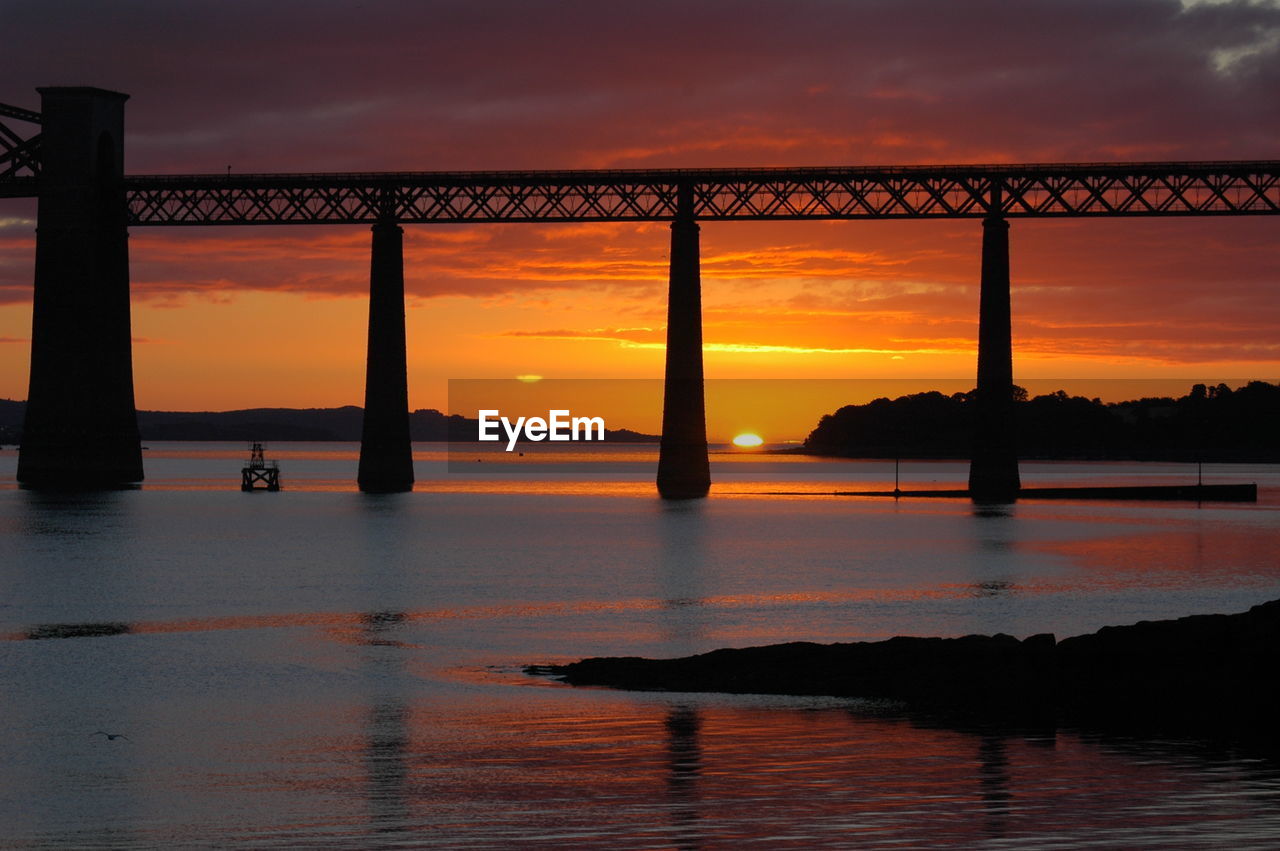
(19, 153)
(895, 192)
(918, 192)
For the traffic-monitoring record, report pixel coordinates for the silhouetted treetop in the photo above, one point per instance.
(1209, 423)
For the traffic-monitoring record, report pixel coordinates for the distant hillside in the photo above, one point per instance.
(279, 424)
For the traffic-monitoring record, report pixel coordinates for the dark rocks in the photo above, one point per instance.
(77, 630)
(1204, 666)
(1199, 668)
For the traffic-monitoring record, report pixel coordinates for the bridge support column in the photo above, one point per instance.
(81, 428)
(993, 470)
(386, 456)
(683, 468)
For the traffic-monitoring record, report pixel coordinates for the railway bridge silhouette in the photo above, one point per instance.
(81, 424)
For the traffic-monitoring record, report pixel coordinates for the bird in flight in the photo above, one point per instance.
(111, 737)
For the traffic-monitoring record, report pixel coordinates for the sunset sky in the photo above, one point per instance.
(242, 317)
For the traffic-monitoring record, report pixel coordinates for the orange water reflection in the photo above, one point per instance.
(354, 627)
(691, 773)
(1241, 553)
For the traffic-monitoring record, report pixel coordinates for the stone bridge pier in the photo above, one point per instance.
(684, 471)
(993, 469)
(81, 428)
(386, 454)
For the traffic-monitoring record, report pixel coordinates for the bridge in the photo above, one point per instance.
(81, 424)
(1024, 191)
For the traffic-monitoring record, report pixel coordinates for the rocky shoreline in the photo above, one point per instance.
(1199, 670)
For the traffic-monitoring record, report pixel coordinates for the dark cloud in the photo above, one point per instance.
(518, 84)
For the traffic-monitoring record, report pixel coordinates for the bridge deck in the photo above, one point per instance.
(1042, 190)
(965, 191)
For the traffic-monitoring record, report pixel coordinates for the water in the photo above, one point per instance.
(319, 667)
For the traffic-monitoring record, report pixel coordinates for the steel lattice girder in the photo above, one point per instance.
(1023, 191)
(19, 156)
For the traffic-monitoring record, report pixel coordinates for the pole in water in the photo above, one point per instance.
(896, 490)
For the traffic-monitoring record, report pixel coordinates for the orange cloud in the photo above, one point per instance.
(597, 85)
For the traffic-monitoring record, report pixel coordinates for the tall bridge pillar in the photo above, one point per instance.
(993, 470)
(683, 469)
(81, 428)
(386, 455)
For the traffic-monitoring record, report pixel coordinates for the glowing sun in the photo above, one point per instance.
(747, 439)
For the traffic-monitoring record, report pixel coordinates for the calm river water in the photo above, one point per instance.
(323, 668)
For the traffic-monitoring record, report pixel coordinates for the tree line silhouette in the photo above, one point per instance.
(1210, 423)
